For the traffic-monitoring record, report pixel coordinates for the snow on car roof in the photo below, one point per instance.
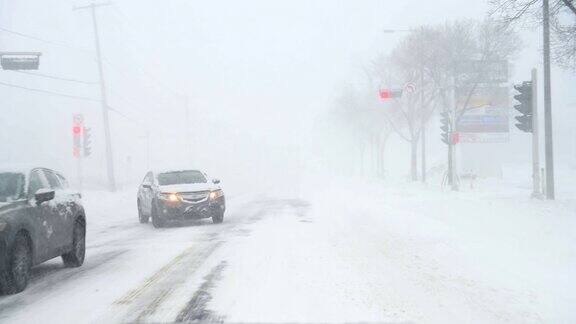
(176, 170)
(23, 168)
(18, 168)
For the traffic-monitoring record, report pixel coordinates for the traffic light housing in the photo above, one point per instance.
(524, 106)
(446, 127)
(76, 139)
(87, 141)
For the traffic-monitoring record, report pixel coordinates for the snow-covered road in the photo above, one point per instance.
(402, 254)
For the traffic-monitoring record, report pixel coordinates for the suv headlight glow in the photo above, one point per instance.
(171, 197)
(216, 194)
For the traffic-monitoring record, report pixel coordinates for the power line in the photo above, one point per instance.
(142, 49)
(48, 92)
(125, 116)
(32, 37)
(55, 77)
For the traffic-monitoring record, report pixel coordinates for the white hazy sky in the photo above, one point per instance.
(255, 73)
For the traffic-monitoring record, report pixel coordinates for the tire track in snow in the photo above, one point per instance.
(144, 300)
(45, 277)
(196, 310)
(151, 299)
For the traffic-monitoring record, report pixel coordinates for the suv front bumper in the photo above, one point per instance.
(184, 210)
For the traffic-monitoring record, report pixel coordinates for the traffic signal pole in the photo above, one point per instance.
(548, 103)
(79, 172)
(536, 192)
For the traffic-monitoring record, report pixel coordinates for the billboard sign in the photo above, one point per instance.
(486, 119)
(481, 71)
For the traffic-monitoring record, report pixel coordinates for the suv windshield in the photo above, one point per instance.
(180, 177)
(11, 186)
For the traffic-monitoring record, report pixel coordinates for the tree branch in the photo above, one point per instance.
(570, 6)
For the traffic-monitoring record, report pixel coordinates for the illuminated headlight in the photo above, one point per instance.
(171, 197)
(216, 194)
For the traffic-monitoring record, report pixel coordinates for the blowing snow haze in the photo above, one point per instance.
(375, 140)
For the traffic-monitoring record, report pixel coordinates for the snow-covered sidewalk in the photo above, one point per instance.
(405, 254)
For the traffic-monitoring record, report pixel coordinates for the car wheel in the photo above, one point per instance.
(75, 258)
(218, 217)
(157, 222)
(15, 278)
(143, 218)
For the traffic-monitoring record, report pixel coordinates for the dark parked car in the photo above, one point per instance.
(40, 219)
(179, 195)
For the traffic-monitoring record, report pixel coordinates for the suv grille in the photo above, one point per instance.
(196, 196)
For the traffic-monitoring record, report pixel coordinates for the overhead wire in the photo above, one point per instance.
(48, 92)
(55, 77)
(36, 38)
(123, 17)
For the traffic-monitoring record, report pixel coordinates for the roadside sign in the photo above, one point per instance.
(20, 60)
(410, 87)
(78, 118)
(455, 138)
(480, 138)
(482, 71)
(486, 119)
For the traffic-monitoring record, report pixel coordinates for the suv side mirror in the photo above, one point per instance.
(215, 181)
(43, 195)
(147, 186)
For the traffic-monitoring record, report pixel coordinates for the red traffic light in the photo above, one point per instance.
(385, 94)
(389, 93)
(76, 129)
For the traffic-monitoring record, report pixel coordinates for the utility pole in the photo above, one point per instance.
(103, 97)
(535, 143)
(454, 115)
(548, 104)
(423, 127)
(187, 130)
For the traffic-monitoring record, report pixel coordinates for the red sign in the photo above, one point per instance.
(455, 138)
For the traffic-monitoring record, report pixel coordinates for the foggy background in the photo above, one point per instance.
(257, 77)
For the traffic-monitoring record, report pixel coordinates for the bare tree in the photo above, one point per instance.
(361, 113)
(562, 18)
(438, 60)
(406, 115)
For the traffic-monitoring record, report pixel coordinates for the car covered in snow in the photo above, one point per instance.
(179, 195)
(40, 219)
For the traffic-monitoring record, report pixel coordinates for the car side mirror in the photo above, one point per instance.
(43, 195)
(147, 186)
(215, 181)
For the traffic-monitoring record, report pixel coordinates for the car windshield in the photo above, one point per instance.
(180, 177)
(11, 186)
